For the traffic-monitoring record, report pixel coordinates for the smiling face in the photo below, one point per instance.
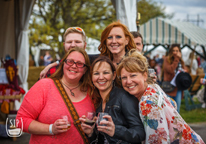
(73, 40)
(116, 41)
(74, 73)
(134, 82)
(102, 77)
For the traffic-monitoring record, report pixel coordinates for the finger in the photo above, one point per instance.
(108, 117)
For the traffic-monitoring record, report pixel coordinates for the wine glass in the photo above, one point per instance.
(66, 117)
(90, 118)
(100, 118)
(151, 73)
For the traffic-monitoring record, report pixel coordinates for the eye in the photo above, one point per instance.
(105, 72)
(123, 78)
(110, 37)
(80, 64)
(134, 75)
(95, 73)
(118, 37)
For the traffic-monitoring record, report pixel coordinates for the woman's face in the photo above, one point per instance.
(72, 72)
(116, 41)
(102, 77)
(175, 51)
(133, 82)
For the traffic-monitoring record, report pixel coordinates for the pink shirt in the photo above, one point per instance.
(44, 103)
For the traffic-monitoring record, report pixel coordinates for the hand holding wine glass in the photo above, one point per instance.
(61, 125)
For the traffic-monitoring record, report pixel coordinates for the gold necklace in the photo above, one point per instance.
(71, 89)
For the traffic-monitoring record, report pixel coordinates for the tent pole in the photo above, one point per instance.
(16, 25)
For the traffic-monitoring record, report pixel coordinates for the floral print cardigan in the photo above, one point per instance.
(162, 122)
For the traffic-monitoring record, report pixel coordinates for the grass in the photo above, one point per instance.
(193, 116)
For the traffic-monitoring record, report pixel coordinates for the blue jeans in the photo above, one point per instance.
(177, 99)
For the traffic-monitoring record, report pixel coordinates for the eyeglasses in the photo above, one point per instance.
(71, 62)
(78, 29)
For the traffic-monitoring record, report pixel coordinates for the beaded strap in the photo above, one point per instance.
(71, 109)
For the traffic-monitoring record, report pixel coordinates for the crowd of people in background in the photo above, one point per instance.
(115, 82)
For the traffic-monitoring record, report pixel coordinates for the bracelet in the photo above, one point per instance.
(57, 62)
(50, 129)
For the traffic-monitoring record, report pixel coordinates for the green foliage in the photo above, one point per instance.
(150, 9)
(193, 116)
(50, 18)
(54, 15)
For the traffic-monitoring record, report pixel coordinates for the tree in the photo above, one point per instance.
(50, 19)
(150, 9)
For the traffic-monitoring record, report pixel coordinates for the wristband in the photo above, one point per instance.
(50, 129)
(57, 62)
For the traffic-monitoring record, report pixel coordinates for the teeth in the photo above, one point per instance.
(72, 71)
(101, 82)
(131, 87)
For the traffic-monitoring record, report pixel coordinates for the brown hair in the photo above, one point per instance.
(96, 96)
(136, 35)
(103, 46)
(171, 56)
(134, 62)
(85, 80)
(74, 30)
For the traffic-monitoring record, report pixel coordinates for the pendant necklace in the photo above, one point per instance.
(71, 89)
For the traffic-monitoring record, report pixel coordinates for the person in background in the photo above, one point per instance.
(116, 41)
(43, 106)
(123, 123)
(138, 40)
(192, 61)
(162, 123)
(172, 63)
(47, 58)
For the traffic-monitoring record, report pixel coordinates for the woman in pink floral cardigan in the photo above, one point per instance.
(162, 122)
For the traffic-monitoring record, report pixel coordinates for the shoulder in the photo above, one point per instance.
(44, 82)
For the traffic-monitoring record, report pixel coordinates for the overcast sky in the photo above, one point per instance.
(182, 8)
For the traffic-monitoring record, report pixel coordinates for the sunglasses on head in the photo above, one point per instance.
(78, 29)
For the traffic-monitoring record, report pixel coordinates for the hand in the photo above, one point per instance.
(87, 128)
(109, 128)
(59, 126)
(202, 81)
(44, 72)
(179, 55)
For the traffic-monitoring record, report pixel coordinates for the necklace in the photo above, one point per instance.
(71, 89)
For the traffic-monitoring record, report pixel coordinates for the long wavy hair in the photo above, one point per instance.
(171, 56)
(103, 46)
(96, 98)
(85, 81)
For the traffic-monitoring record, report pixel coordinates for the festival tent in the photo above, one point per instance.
(164, 32)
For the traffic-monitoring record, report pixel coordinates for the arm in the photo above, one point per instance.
(155, 122)
(135, 131)
(170, 68)
(46, 69)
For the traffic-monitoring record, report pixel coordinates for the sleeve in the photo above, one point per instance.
(32, 104)
(155, 122)
(170, 68)
(135, 131)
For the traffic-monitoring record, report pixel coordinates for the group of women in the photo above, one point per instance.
(138, 110)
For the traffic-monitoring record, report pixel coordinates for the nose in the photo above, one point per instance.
(129, 80)
(113, 40)
(73, 44)
(101, 76)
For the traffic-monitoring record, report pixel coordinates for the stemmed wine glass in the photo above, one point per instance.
(151, 73)
(90, 118)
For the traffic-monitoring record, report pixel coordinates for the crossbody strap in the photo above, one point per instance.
(71, 109)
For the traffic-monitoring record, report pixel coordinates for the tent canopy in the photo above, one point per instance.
(163, 32)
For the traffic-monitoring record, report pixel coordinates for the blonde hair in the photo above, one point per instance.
(74, 30)
(134, 62)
